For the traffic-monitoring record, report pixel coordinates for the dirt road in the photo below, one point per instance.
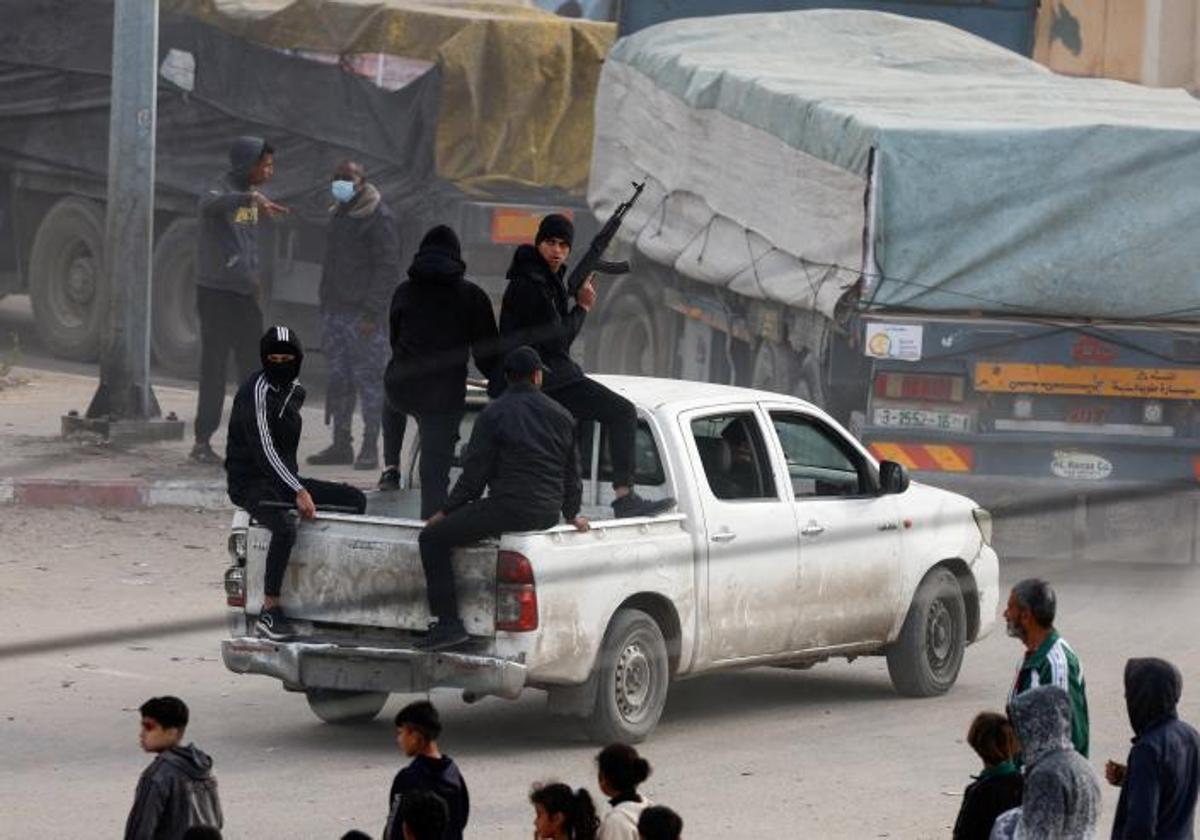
(827, 753)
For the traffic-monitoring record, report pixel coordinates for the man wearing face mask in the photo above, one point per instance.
(260, 464)
(362, 268)
(228, 281)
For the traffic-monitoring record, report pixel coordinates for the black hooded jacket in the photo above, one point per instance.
(1158, 799)
(176, 792)
(264, 426)
(227, 256)
(434, 775)
(436, 318)
(535, 311)
(362, 257)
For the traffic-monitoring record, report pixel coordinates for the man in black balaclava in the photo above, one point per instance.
(227, 279)
(260, 464)
(537, 312)
(1160, 778)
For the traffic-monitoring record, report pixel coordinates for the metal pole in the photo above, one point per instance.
(129, 223)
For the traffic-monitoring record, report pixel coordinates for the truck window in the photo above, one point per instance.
(647, 466)
(819, 462)
(735, 460)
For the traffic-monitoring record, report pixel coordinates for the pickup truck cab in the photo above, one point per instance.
(791, 544)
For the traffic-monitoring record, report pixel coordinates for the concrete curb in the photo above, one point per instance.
(125, 495)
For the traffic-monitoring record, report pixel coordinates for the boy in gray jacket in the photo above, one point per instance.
(178, 790)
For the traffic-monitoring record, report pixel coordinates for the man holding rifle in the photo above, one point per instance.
(537, 311)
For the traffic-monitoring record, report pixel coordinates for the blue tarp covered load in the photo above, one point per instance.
(824, 157)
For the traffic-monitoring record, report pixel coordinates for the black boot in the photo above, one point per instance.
(340, 452)
(368, 456)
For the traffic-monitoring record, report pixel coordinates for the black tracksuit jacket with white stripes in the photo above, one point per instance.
(264, 434)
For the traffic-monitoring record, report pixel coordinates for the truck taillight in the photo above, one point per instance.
(516, 593)
(235, 586)
(914, 386)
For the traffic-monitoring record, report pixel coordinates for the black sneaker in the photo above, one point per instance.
(368, 458)
(338, 453)
(273, 624)
(442, 636)
(202, 453)
(631, 504)
(389, 479)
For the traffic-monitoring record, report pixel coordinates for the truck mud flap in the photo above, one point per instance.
(315, 665)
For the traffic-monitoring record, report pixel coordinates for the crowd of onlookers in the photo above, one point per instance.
(1036, 780)
(429, 800)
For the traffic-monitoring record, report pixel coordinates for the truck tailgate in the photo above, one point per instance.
(366, 571)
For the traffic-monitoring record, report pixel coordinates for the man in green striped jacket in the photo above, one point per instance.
(1048, 659)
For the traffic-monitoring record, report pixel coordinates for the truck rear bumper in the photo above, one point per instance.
(323, 665)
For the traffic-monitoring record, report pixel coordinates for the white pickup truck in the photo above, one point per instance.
(791, 545)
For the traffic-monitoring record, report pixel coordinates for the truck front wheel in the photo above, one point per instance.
(632, 674)
(335, 706)
(925, 659)
(174, 323)
(67, 281)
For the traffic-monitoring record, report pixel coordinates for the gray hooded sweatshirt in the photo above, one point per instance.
(1062, 791)
(176, 792)
(227, 255)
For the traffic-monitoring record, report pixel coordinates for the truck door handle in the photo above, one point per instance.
(812, 529)
(724, 536)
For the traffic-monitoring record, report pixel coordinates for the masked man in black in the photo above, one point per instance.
(260, 464)
(537, 312)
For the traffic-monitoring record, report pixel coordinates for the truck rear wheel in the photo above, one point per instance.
(925, 659)
(335, 706)
(174, 323)
(627, 340)
(632, 674)
(67, 281)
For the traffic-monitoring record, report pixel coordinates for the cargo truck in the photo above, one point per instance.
(981, 267)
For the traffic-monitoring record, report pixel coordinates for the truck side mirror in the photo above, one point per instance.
(893, 477)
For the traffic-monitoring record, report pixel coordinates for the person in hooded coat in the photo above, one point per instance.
(178, 790)
(228, 280)
(260, 465)
(360, 273)
(1159, 779)
(1061, 800)
(437, 320)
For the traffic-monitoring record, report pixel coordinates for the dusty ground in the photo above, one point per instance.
(830, 752)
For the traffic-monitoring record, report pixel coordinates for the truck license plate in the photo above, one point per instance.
(918, 418)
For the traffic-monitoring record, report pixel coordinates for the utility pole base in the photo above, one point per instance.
(124, 432)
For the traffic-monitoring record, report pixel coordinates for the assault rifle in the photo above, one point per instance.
(594, 260)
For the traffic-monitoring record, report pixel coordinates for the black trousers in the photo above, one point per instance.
(229, 323)
(485, 518)
(439, 435)
(394, 425)
(282, 522)
(587, 399)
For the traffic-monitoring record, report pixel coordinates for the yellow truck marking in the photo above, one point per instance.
(1088, 381)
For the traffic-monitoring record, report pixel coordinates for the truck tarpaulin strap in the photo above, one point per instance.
(517, 83)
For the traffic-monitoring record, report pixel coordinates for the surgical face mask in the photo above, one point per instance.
(342, 191)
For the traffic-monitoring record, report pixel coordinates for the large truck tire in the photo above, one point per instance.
(68, 285)
(925, 659)
(632, 676)
(174, 323)
(628, 339)
(334, 706)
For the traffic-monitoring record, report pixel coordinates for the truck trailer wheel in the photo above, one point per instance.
(67, 281)
(174, 324)
(632, 675)
(335, 706)
(925, 659)
(627, 340)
